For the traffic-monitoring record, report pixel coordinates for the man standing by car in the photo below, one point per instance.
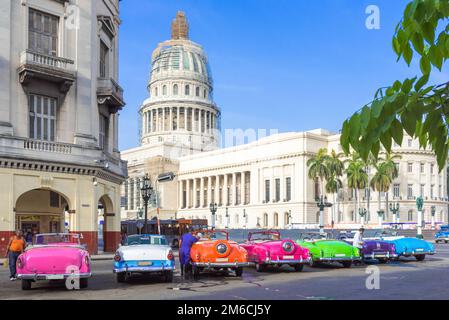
(15, 248)
(185, 244)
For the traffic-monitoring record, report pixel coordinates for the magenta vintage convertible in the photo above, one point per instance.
(54, 257)
(266, 248)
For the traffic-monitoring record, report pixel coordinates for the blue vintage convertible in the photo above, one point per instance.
(407, 247)
(442, 235)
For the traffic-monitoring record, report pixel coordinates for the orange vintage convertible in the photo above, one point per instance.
(214, 251)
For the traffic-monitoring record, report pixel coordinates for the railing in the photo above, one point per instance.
(47, 146)
(109, 83)
(31, 57)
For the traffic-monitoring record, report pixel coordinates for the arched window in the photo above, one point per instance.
(197, 91)
(164, 90)
(155, 92)
(286, 219)
(205, 93)
(265, 220)
(175, 90)
(276, 220)
(187, 90)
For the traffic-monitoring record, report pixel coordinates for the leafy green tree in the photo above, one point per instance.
(318, 169)
(334, 183)
(410, 105)
(357, 178)
(382, 179)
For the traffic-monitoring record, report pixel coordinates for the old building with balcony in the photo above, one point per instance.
(60, 168)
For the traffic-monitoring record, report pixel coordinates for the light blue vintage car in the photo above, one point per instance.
(442, 235)
(144, 254)
(407, 246)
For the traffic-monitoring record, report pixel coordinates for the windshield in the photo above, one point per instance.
(264, 236)
(214, 235)
(444, 228)
(313, 236)
(44, 239)
(146, 239)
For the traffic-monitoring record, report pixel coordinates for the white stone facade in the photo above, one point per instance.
(59, 103)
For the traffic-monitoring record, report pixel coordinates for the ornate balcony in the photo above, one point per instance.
(39, 66)
(110, 94)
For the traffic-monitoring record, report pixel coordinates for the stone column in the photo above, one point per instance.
(217, 189)
(188, 193)
(185, 118)
(234, 189)
(163, 119)
(177, 118)
(171, 119)
(242, 188)
(5, 68)
(180, 194)
(209, 190)
(225, 190)
(195, 198)
(201, 192)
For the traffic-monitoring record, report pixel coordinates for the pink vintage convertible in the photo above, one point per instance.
(54, 257)
(267, 248)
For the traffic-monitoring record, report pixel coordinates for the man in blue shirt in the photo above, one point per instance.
(186, 243)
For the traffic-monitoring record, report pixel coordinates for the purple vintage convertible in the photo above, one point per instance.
(373, 249)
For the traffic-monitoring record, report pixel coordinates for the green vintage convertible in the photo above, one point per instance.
(325, 250)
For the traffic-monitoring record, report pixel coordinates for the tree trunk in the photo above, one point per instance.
(355, 205)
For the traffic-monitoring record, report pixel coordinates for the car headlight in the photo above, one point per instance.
(222, 248)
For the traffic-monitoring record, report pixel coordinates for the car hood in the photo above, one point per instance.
(376, 245)
(144, 252)
(411, 244)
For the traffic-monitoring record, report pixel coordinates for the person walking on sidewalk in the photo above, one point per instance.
(15, 248)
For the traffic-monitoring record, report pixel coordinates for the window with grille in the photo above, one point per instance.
(410, 191)
(42, 118)
(288, 189)
(396, 188)
(103, 135)
(104, 60)
(43, 32)
(410, 167)
(54, 199)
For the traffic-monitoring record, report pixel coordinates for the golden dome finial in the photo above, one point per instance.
(180, 27)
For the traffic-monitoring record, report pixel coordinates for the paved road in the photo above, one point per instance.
(407, 279)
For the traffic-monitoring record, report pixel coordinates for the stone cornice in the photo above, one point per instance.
(174, 102)
(59, 167)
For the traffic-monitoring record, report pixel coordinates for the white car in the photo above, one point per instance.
(143, 254)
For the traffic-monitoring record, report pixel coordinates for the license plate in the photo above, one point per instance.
(288, 257)
(340, 255)
(144, 263)
(222, 260)
(419, 249)
(55, 277)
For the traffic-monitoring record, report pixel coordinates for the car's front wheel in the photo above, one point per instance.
(239, 272)
(346, 264)
(196, 273)
(168, 276)
(121, 277)
(298, 267)
(420, 257)
(26, 284)
(84, 283)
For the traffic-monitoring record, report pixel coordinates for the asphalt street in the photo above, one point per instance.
(407, 279)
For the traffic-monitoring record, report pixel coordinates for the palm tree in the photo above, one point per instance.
(334, 184)
(357, 178)
(318, 170)
(382, 180)
(393, 170)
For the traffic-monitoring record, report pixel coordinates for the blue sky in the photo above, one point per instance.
(290, 65)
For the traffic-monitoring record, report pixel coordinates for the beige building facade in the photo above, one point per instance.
(60, 168)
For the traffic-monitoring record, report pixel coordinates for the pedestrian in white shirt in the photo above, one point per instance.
(358, 239)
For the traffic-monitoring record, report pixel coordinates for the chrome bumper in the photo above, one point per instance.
(274, 262)
(53, 276)
(385, 255)
(339, 259)
(221, 264)
(143, 269)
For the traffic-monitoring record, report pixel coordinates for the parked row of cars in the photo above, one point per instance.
(60, 256)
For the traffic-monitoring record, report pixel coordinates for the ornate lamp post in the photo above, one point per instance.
(433, 210)
(146, 191)
(419, 205)
(381, 214)
(245, 217)
(227, 218)
(322, 203)
(394, 208)
(213, 210)
(362, 214)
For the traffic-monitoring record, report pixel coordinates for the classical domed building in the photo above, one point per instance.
(179, 118)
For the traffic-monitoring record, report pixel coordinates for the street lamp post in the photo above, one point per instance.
(322, 203)
(146, 192)
(362, 213)
(227, 218)
(433, 210)
(394, 208)
(213, 210)
(419, 205)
